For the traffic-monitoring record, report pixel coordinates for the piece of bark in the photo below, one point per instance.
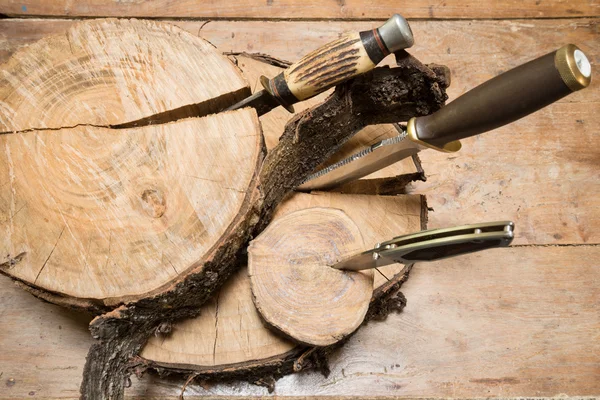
(112, 72)
(294, 287)
(110, 216)
(229, 339)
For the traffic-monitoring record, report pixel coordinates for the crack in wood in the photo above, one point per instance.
(382, 274)
(49, 255)
(216, 328)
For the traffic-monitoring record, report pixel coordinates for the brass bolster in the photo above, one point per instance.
(566, 64)
(411, 132)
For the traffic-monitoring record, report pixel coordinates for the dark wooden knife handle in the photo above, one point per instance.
(507, 97)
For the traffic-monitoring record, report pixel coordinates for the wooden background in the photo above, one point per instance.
(523, 321)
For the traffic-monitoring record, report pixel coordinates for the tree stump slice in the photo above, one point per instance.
(95, 216)
(229, 338)
(115, 215)
(295, 288)
(113, 72)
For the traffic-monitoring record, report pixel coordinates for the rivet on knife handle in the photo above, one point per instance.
(506, 98)
(351, 55)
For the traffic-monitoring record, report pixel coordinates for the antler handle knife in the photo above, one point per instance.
(499, 101)
(351, 55)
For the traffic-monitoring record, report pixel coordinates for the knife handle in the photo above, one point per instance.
(505, 98)
(351, 55)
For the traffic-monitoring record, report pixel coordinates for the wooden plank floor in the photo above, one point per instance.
(523, 321)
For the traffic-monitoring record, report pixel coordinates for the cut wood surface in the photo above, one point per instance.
(297, 9)
(294, 287)
(111, 72)
(105, 214)
(518, 321)
(229, 330)
(540, 171)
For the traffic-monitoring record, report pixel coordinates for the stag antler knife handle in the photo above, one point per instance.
(506, 98)
(351, 55)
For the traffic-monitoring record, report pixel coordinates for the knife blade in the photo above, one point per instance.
(349, 56)
(497, 102)
(432, 245)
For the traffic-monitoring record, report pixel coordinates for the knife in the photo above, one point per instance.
(349, 56)
(432, 245)
(497, 102)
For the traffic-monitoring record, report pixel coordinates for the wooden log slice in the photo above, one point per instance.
(294, 287)
(229, 338)
(112, 72)
(113, 215)
(93, 216)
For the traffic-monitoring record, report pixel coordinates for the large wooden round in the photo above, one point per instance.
(294, 287)
(101, 213)
(92, 212)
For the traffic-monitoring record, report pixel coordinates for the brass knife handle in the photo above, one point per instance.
(507, 97)
(351, 55)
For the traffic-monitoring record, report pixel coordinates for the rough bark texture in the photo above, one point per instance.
(383, 96)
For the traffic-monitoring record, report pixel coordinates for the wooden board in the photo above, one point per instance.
(296, 9)
(525, 327)
(494, 175)
(56, 342)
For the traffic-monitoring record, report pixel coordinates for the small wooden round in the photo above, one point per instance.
(294, 287)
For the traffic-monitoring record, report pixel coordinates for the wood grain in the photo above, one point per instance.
(518, 321)
(293, 286)
(98, 213)
(555, 349)
(553, 150)
(112, 72)
(308, 9)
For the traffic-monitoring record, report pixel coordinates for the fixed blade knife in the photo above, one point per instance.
(497, 102)
(432, 245)
(349, 56)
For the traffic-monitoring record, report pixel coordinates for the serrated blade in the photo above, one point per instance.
(363, 163)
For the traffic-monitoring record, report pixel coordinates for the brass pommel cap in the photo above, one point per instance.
(573, 66)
